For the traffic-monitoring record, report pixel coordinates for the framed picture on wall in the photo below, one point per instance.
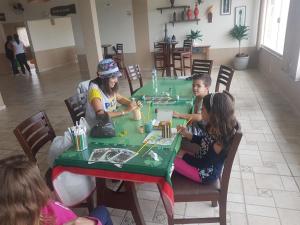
(240, 16)
(225, 7)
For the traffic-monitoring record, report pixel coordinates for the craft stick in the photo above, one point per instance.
(146, 152)
(185, 125)
(142, 147)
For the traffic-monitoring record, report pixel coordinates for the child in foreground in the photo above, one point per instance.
(26, 200)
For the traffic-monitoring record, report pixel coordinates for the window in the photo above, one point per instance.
(23, 36)
(276, 15)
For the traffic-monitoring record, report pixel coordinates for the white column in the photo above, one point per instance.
(90, 34)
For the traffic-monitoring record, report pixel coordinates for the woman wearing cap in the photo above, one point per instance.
(103, 93)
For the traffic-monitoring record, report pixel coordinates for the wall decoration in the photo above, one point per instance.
(240, 16)
(209, 13)
(196, 11)
(63, 10)
(225, 7)
(189, 13)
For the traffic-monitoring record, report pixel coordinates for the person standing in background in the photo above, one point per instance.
(9, 52)
(19, 51)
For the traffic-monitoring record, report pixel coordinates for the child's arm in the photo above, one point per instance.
(82, 221)
(195, 117)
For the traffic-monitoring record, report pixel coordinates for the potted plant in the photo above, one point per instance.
(194, 35)
(240, 32)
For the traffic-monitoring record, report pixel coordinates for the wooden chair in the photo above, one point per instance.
(118, 57)
(76, 106)
(133, 73)
(224, 77)
(186, 190)
(181, 55)
(32, 134)
(202, 66)
(159, 57)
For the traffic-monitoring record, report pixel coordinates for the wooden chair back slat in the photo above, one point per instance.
(33, 133)
(119, 48)
(30, 130)
(76, 105)
(187, 45)
(36, 136)
(202, 66)
(133, 73)
(224, 77)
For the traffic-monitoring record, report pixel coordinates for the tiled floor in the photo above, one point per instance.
(264, 186)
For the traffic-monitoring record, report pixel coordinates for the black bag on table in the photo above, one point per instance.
(104, 127)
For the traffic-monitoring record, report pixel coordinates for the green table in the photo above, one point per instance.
(142, 168)
(171, 86)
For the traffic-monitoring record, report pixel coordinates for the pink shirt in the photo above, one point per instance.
(61, 213)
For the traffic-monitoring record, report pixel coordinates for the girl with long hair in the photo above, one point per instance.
(103, 93)
(26, 200)
(218, 127)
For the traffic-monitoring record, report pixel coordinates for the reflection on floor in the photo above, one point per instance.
(264, 185)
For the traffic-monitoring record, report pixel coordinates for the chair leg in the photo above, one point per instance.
(170, 220)
(214, 203)
(222, 213)
(181, 65)
(183, 60)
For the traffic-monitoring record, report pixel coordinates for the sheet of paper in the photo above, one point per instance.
(164, 115)
(154, 137)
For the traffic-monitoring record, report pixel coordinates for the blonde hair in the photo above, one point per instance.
(23, 192)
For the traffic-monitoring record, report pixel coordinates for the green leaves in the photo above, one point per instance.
(194, 35)
(239, 32)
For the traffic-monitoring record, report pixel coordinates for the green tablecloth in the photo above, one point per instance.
(173, 87)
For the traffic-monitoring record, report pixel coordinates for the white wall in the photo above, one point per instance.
(215, 34)
(116, 23)
(45, 36)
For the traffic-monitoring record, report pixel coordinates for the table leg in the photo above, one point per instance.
(126, 200)
(105, 51)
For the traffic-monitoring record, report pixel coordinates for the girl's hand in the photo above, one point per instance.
(132, 106)
(81, 221)
(184, 132)
(176, 114)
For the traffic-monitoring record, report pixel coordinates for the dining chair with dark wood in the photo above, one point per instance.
(32, 134)
(186, 190)
(118, 57)
(159, 57)
(133, 73)
(181, 55)
(76, 105)
(201, 66)
(224, 77)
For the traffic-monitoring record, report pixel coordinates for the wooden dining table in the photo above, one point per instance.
(142, 168)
